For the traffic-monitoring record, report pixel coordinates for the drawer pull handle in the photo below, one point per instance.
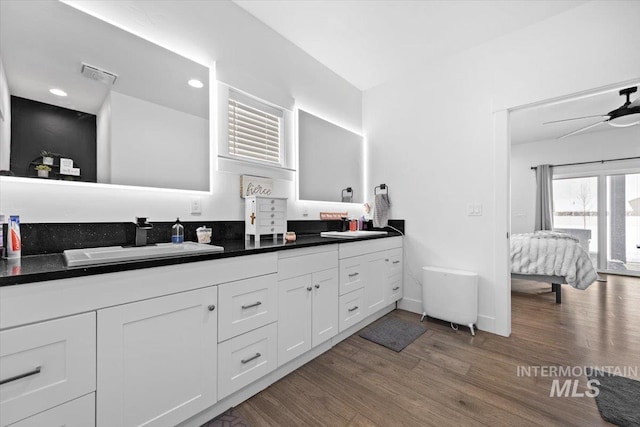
(396, 288)
(396, 262)
(317, 286)
(353, 274)
(273, 222)
(273, 208)
(309, 288)
(353, 309)
(255, 304)
(273, 201)
(211, 307)
(243, 361)
(272, 215)
(21, 376)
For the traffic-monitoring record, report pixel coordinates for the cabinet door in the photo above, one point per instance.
(375, 278)
(157, 360)
(77, 413)
(294, 318)
(325, 306)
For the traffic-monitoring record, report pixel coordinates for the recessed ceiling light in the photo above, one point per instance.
(58, 92)
(196, 83)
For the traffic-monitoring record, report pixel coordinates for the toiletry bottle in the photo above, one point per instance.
(14, 245)
(177, 232)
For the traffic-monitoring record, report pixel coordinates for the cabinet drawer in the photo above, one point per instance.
(270, 229)
(351, 308)
(246, 358)
(351, 274)
(77, 413)
(46, 364)
(246, 305)
(268, 222)
(394, 289)
(272, 205)
(395, 261)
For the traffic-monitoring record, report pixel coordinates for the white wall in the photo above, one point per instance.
(103, 141)
(611, 144)
(255, 59)
(434, 141)
(5, 121)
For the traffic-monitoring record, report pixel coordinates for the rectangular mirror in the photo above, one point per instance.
(330, 164)
(129, 116)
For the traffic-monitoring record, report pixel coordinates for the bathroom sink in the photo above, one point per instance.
(352, 234)
(110, 254)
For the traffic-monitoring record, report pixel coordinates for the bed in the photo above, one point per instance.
(552, 257)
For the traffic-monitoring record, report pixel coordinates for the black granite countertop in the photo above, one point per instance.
(38, 268)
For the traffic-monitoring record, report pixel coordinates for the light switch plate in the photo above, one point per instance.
(196, 206)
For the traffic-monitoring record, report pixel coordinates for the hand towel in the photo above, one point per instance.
(381, 210)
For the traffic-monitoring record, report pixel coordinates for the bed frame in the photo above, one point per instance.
(556, 282)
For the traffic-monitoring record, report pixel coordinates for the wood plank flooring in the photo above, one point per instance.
(447, 377)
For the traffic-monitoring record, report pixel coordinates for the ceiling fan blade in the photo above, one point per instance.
(581, 129)
(574, 118)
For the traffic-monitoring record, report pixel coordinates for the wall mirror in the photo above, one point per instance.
(330, 163)
(142, 122)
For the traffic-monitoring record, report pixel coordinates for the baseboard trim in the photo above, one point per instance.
(412, 305)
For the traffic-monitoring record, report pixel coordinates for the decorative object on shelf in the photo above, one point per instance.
(265, 216)
(47, 157)
(255, 186)
(43, 171)
(333, 215)
(290, 236)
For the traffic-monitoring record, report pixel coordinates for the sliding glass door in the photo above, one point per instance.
(623, 223)
(603, 212)
(575, 211)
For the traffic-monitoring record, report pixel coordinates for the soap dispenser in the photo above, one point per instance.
(177, 232)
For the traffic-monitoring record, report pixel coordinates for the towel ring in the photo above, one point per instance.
(381, 187)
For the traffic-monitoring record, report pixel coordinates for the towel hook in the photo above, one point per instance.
(348, 197)
(381, 187)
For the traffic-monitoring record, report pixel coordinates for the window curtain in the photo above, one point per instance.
(544, 198)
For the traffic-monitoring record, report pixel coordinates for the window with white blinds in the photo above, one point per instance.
(254, 130)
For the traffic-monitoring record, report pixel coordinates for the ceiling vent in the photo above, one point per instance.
(95, 73)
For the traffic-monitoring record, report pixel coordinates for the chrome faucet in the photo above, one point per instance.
(142, 225)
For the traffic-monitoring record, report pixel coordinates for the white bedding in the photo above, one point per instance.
(552, 254)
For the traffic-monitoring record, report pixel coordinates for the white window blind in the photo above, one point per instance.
(254, 131)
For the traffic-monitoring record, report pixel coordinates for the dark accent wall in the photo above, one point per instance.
(36, 126)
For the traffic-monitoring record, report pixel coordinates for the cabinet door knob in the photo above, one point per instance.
(273, 208)
(211, 307)
(309, 288)
(317, 286)
(273, 201)
(273, 222)
(386, 259)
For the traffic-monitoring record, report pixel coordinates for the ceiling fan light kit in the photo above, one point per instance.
(624, 116)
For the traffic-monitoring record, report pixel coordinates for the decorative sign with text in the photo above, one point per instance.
(255, 186)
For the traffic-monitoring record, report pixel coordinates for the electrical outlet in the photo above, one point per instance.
(474, 209)
(196, 207)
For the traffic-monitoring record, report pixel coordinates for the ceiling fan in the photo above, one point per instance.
(624, 116)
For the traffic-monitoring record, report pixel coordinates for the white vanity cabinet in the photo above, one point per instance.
(370, 278)
(307, 300)
(45, 365)
(157, 359)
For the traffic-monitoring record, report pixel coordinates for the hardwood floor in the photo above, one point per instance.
(450, 378)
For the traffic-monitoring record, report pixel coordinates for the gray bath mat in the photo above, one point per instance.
(617, 399)
(393, 333)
